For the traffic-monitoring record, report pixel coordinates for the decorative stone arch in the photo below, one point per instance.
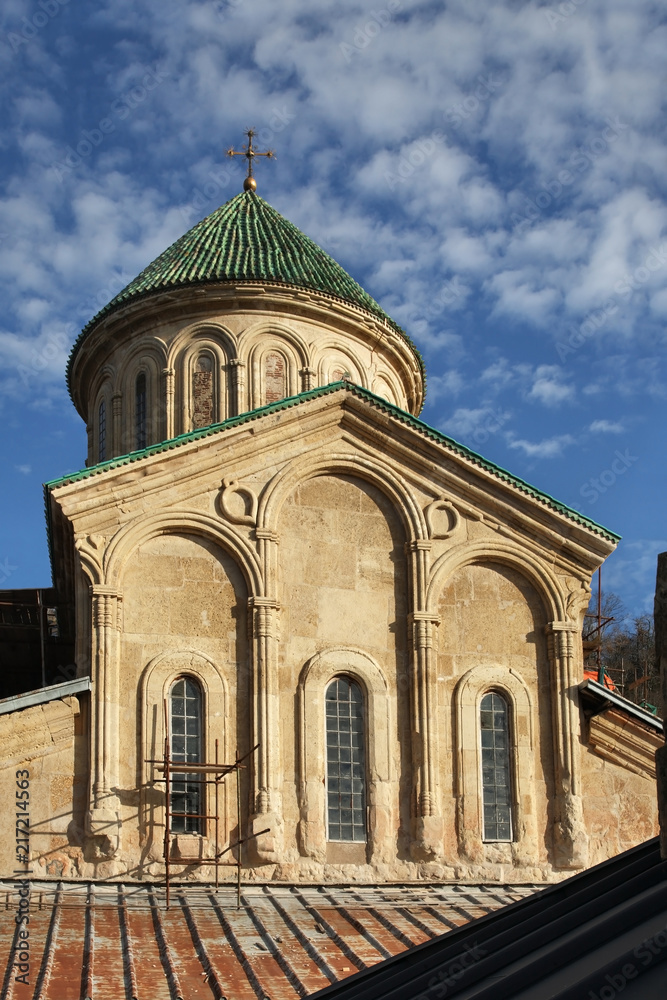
(273, 331)
(182, 522)
(373, 471)
(106, 376)
(154, 686)
(505, 553)
(101, 423)
(387, 386)
(325, 363)
(468, 695)
(255, 343)
(216, 340)
(261, 358)
(317, 673)
(209, 333)
(148, 357)
(187, 364)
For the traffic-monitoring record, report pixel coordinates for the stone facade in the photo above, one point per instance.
(261, 560)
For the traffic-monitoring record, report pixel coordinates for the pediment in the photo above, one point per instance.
(230, 469)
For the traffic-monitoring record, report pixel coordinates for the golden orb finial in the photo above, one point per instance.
(250, 184)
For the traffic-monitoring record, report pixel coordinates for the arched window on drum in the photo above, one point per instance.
(203, 396)
(346, 761)
(496, 768)
(140, 401)
(275, 377)
(186, 738)
(102, 431)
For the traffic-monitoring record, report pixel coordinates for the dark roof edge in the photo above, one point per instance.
(610, 699)
(370, 397)
(109, 310)
(512, 940)
(40, 696)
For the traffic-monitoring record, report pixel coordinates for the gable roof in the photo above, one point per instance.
(376, 401)
(245, 240)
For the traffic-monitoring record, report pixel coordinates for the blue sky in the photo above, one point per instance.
(493, 174)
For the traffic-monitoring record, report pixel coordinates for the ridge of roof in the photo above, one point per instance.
(368, 396)
(244, 241)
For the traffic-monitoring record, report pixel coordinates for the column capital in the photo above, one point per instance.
(567, 626)
(307, 378)
(263, 602)
(419, 545)
(424, 616)
(106, 606)
(267, 534)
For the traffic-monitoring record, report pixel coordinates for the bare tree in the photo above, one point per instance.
(624, 647)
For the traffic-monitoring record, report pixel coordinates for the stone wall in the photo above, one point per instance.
(46, 745)
(184, 613)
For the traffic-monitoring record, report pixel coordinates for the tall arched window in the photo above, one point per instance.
(346, 761)
(275, 377)
(102, 431)
(202, 392)
(496, 768)
(187, 799)
(140, 411)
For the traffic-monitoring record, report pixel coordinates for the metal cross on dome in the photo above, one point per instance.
(250, 184)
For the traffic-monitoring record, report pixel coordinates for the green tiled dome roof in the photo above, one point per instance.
(244, 240)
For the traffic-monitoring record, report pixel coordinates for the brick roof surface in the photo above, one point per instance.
(109, 941)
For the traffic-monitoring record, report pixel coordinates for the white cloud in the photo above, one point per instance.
(606, 427)
(444, 386)
(548, 387)
(548, 448)
(476, 426)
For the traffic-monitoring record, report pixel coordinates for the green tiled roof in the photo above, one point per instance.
(368, 396)
(245, 240)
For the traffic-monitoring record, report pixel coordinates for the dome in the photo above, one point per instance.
(245, 240)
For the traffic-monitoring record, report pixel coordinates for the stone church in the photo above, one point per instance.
(269, 554)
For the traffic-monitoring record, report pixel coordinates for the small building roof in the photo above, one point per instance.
(286, 941)
(41, 696)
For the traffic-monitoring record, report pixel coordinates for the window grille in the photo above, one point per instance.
(186, 744)
(346, 766)
(140, 411)
(496, 776)
(102, 432)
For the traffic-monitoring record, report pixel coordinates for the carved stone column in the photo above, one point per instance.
(660, 616)
(169, 376)
(116, 426)
(307, 378)
(103, 821)
(428, 823)
(237, 369)
(265, 772)
(570, 837)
